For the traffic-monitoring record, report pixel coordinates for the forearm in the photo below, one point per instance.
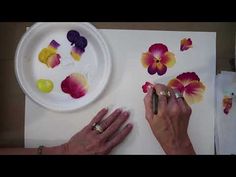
(56, 150)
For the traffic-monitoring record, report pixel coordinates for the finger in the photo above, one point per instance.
(172, 100)
(162, 100)
(117, 139)
(98, 117)
(148, 105)
(108, 121)
(115, 125)
(184, 105)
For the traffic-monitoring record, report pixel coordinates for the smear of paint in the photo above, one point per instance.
(44, 85)
(49, 55)
(186, 44)
(146, 86)
(75, 85)
(190, 86)
(80, 43)
(227, 104)
(158, 59)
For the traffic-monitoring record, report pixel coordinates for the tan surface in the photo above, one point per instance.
(12, 100)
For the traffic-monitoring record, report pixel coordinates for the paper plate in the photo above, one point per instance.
(94, 65)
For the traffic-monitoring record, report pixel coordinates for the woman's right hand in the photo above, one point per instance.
(170, 124)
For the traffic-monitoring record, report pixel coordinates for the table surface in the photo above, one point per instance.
(12, 98)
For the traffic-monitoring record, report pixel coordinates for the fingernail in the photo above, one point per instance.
(118, 110)
(126, 113)
(129, 125)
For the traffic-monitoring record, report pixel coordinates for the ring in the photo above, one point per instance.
(165, 93)
(178, 95)
(97, 127)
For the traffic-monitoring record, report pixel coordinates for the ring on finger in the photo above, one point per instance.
(178, 95)
(165, 93)
(97, 127)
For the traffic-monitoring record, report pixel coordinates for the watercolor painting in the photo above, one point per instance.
(227, 103)
(188, 84)
(186, 44)
(158, 59)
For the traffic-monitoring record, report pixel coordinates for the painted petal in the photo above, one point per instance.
(168, 59)
(54, 44)
(158, 50)
(146, 86)
(185, 44)
(152, 69)
(53, 60)
(147, 59)
(193, 92)
(188, 77)
(161, 69)
(176, 84)
(76, 53)
(227, 104)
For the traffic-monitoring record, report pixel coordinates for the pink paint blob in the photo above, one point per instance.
(75, 85)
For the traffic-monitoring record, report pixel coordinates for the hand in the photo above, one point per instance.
(170, 124)
(89, 141)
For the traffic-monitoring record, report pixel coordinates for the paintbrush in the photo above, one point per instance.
(154, 101)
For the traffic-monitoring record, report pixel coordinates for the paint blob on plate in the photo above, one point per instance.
(75, 85)
(45, 85)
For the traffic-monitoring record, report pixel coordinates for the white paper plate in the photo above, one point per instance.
(95, 64)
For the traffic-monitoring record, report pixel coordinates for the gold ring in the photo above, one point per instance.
(97, 127)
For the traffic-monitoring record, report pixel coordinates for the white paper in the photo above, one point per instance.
(124, 90)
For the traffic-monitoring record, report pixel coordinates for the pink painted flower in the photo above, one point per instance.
(146, 86)
(227, 104)
(158, 59)
(189, 85)
(75, 84)
(185, 44)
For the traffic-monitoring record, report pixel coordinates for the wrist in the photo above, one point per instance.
(55, 150)
(183, 148)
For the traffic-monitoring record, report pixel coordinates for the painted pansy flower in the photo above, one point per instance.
(158, 59)
(75, 84)
(146, 86)
(80, 43)
(189, 85)
(227, 104)
(185, 44)
(49, 55)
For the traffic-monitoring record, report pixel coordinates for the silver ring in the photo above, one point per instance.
(178, 95)
(97, 127)
(165, 93)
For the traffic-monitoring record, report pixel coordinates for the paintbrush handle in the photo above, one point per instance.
(154, 102)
